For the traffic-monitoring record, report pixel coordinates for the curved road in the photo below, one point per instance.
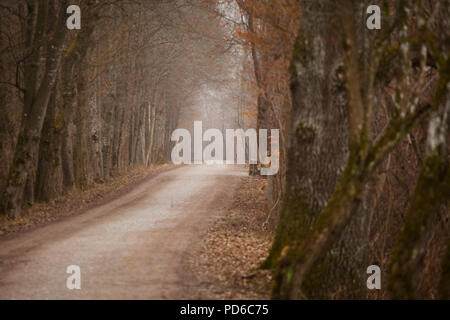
(130, 248)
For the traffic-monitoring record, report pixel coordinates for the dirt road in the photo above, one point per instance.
(130, 248)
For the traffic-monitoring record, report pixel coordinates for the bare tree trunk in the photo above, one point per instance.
(261, 103)
(48, 180)
(152, 134)
(430, 196)
(30, 133)
(68, 105)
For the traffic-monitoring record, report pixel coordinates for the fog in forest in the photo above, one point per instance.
(340, 189)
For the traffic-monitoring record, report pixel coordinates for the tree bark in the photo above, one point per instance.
(30, 133)
(48, 179)
(431, 193)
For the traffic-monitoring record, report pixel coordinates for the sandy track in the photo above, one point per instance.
(131, 248)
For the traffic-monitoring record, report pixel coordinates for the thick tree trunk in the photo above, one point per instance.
(48, 179)
(30, 133)
(318, 143)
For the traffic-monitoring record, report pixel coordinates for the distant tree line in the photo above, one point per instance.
(80, 106)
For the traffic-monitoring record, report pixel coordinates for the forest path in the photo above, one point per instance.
(131, 248)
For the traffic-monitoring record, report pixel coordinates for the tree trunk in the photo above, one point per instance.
(48, 181)
(30, 133)
(430, 197)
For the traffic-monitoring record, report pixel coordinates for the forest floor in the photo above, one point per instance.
(227, 259)
(78, 201)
